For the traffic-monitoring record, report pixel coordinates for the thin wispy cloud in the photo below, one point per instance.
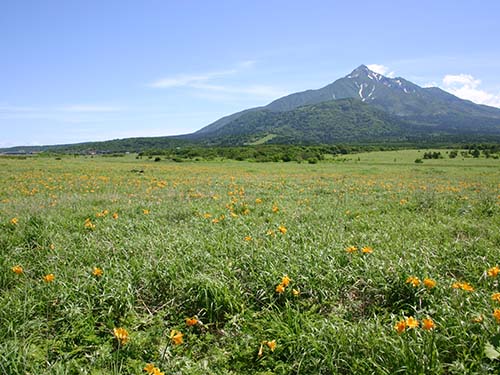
(210, 82)
(90, 108)
(10, 111)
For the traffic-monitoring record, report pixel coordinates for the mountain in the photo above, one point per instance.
(418, 112)
(362, 107)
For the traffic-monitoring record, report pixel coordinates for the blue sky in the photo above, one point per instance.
(73, 71)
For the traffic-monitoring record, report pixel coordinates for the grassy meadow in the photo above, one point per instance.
(362, 264)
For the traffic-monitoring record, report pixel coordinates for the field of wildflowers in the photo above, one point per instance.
(366, 265)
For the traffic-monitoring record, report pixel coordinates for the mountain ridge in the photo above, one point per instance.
(363, 106)
(431, 109)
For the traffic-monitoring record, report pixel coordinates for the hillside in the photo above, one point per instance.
(362, 107)
(414, 107)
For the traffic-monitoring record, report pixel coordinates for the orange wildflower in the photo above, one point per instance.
(271, 345)
(14, 221)
(248, 238)
(496, 314)
(115, 215)
(400, 326)
(464, 286)
(121, 335)
(282, 229)
(495, 297)
(413, 280)
(494, 271)
(191, 321)
(411, 322)
(88, 224)
(285, 280)
(428, 324)
(97, 272)
(429, 283)
(351, 249)
(49, 278)
(275, 208)
(280, 288)
(176, 337)
(258, 201)
(367, 250)
(145, 212)
(17, 269)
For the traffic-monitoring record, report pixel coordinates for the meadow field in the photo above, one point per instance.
(362, 264)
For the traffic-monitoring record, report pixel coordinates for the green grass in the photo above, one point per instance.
(436, 220)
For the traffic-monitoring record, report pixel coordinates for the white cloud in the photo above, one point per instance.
(90, 108)
(186, 80)
(465, 86)
(381, 69)
(430, 84)
(209, 86)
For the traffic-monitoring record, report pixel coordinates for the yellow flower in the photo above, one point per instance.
(207, 215)
(49, 278)
(296, 292)
(156, 371)
(429, 283)
(282, 229)
(411, 322)
(428, 324)
(145, 212)
(14, 221)
(115, 215)
(403, 201)
(248, 238)
(464, 286)
(191, 322)
(367, 250)
(215, 221)
(270, 232)
(285, 280)
(121, 335)
(17, 269)
(258, 201)
(400, 326)
(149, 368)
(493, 271)
(176, 337)
(478, 319)
(52, 246)
(271, 345)
(88, 224)
(275, 208)
(496, 314)
(97, 272)
(495, 297)
(351, 249)
(413, 280)
(467, 287)
(280, 288)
